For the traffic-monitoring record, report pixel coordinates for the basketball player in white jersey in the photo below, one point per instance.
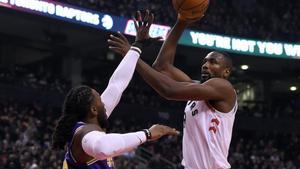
(211, 104)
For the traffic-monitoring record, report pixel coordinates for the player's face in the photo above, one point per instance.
(101, 112)
(213, 66)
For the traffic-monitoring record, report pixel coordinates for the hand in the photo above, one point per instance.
(142, 27)
(119, 44)
(157, 131)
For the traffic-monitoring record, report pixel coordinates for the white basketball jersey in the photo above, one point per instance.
(206, 136)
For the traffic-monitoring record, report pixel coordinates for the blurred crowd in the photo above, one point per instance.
(25, 136)
(264, 19)
(265, 151)
(280, 108)
(36, 79)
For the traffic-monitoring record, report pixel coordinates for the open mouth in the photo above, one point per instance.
(205, 75)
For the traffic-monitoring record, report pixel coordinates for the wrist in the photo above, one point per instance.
(147, 133)
(143, 43)
(137, 49)
(138, 44)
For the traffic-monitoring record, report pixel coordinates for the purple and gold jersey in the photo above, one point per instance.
(71, 163)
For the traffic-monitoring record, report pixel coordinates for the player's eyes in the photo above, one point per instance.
(213, 61)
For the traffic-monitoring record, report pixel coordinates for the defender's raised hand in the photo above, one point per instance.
(142, 27)
(119, 44)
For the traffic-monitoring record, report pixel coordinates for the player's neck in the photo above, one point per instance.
(93, 121)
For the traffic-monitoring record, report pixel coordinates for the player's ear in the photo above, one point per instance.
(227, 72)
(93, 110)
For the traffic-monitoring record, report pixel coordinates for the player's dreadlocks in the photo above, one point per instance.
(75, 108)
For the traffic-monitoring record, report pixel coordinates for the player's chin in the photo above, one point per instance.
(204, 77)
(103, 121)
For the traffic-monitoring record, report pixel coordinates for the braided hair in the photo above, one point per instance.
(75, 108)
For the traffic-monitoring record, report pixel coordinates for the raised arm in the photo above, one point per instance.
(165, 59)
(124, 72)
(119, 80)
(214, 89)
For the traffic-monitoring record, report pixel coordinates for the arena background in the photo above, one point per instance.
(43, 54)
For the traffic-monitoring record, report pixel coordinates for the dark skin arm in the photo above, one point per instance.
(164, 62)
(165, 59)
(218, 91)
(215, 89)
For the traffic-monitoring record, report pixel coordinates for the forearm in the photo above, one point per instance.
(158, 81)
(164, 61)
(102, 146)
(119, 81)
(167, 52)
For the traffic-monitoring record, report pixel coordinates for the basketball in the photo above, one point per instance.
(190, 9)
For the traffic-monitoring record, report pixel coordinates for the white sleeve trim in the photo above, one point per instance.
(102, 146)
(119, 81)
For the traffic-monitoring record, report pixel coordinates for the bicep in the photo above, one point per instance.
(101, 146)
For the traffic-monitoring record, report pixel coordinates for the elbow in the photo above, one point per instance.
(96, 144)
(103, 151)
(170, 96)
(158, 67)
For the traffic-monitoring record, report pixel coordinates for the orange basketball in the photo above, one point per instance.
(190, 9)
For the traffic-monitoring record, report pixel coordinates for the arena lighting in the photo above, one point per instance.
(52, 8)
(107, 22)
(69, 13)
(241, 46)
(244, 67)
(64, 12)
(293, 88)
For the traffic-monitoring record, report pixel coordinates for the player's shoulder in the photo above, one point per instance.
(88, 128)
(221, 85)
(219, 82)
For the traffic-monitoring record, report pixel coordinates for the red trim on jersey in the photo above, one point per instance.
(215, 121)
(212, 129)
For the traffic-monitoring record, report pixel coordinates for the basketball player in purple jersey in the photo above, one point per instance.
(81, 127)
(211, 104)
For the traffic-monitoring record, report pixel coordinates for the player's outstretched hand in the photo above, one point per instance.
(142, 27)
(157, 131)
(119, 44)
